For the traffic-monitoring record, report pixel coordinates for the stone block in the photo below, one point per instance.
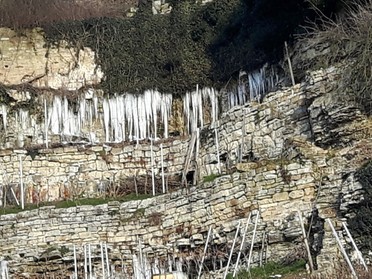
(296, 194)
(246, 166)
(283, 196)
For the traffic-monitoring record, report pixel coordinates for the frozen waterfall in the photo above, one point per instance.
(94, 118)
(253, 86)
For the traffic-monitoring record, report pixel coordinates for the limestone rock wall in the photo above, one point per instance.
(169, 224)
(25, 59)
(270, 163)
(252, 132)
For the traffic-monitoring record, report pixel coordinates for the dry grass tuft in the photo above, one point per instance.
(348, 39)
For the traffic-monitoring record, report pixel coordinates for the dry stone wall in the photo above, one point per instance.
(270, 164)
(254, 132)
(169, 224)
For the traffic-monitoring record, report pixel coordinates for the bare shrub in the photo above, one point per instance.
(349, 40)
(30, 13)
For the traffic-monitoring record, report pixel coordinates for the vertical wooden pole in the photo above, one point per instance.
(289, 63)
(311, 264)
(360, 256)
(232, 251)
(243, 139)
(197, 165)
(242, 244)
(85, 262)
(90, 261)
(342, 249)
(75, 264)
(102, 261)
(205, 251)
(217, 150)
(162, 168)
(21, 181)
(152, 169)
(253, 238)
(262, 247)
(107, 262)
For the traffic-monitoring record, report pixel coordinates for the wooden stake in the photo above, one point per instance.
(242, 244)
(311, 264)
(342, 249)
(90, 261)
(152, 169)
(243, 139)
(360, 256)
(102, 261)
(21, 182)
(253, 238)
(205, 251)
(107, 262)
(262, 247)
(85, 262)
(75, 264)
(289, 63)
(232, 251)
(162, 168)
(188, 158)
(196, 174)
(217, 150)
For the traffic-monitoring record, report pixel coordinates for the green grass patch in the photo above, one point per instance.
(73, 203)
(211, 177)
(270, 269)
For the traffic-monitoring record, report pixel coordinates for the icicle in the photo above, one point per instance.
(210, 93)
(194, 120)
(147, 112)
(186, 109)
(4, 114)
(155, 102)
(46, 126)
(142, 116)
(95, 106)
(113, 118)
(106, 118)
(129, 114)
(121, 118)
(166, 106)
(23, 119)
(135, 119)
(200, 107)
(65, 121)
(55, 116)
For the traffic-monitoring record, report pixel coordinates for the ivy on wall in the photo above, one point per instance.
(194, 44)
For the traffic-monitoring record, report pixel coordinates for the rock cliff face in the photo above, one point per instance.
(26, 60)
(296, 151)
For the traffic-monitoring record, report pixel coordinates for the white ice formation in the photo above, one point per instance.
(128, 117)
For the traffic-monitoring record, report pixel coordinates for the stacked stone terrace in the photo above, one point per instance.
(268, 163)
